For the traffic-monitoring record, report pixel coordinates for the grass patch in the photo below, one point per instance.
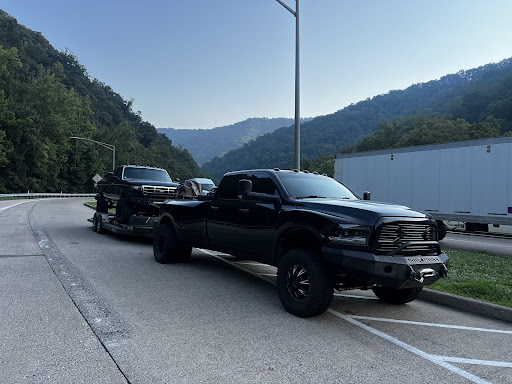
(480, 276)
(93, 204)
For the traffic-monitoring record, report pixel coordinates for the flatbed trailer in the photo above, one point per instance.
(139, 225)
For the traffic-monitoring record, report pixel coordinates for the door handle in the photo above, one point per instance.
(243, 210)
(214, 208)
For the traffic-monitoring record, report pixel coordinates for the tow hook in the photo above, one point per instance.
(444, 271)
(421, 274)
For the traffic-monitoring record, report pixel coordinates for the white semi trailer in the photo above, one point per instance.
(468, 181)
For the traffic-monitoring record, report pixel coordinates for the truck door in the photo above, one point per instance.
(244, 227)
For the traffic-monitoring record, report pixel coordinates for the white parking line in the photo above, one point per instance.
(432, 358)
(236, 266)
(442, 361)
(10, 206)
(246, 263)
(432, 324)
(356, 296)
(491, 363)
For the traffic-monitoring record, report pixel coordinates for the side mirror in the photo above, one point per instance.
(244, 187)
(366, 195)
(110, 176)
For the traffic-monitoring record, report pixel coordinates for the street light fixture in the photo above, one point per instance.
(297, 80)
(105, 145)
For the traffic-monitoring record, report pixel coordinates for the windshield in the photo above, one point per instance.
(307, 185)
(146, 174)
(208, 186)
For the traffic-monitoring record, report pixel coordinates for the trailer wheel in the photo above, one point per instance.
(94, 222)
(99, 224)
(396, 296)
(123, 211)
(304, 284)
(166, 247)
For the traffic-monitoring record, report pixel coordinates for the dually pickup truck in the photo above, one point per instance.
(316, 231)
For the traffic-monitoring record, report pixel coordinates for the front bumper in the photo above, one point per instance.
(385, 270)
(147, 200)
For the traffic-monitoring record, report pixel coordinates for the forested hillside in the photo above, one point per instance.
(205, 144)
(46, 96)
(474, 96)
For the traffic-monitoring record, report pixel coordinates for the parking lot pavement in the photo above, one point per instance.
(461, 349)
(479, 242)
(43, 336)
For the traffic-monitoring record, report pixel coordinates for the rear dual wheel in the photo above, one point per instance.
(166, 246)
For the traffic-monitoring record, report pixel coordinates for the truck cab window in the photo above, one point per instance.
(228, 187)
(261, 183)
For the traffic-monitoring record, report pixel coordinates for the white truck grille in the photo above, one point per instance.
(158, 190)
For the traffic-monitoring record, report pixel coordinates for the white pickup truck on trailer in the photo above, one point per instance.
(468, 181)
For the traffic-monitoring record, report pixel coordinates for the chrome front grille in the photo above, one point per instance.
(158, 190)
(393, 235)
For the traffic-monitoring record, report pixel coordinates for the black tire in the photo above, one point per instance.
(441, 230)
(94, 222)
(99, 224)
(123, 211)
(101, 204)
(396, 296)
(166, 248)
(304, 284)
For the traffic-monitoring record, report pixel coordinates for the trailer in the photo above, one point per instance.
(468, 182)
(138, 226)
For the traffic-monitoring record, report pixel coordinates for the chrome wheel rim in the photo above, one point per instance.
(298, 282)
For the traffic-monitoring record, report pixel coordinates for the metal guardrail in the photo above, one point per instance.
(18, 196)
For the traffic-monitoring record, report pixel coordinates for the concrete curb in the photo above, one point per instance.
(464, 304)
(90, 206)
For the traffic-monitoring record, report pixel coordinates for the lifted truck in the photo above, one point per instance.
(318, 233)
(135, 190)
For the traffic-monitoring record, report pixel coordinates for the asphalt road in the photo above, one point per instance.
(81, 307)
(492, 243)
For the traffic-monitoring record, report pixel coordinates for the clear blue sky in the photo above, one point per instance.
(208, 63)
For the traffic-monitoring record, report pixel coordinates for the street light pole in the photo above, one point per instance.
(105, 145)
(297, 80)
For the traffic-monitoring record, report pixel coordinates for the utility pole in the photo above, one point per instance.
(297, 80)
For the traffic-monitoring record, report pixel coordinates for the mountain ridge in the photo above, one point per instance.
(453, 94)
(205, 144)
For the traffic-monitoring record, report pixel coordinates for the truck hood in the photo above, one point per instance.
(151, 182)
(360, 211)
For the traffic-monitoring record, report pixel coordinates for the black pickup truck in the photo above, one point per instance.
(133, 189)
(319, 234)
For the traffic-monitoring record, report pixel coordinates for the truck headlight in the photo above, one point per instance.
(351, 235)
(135, 188)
